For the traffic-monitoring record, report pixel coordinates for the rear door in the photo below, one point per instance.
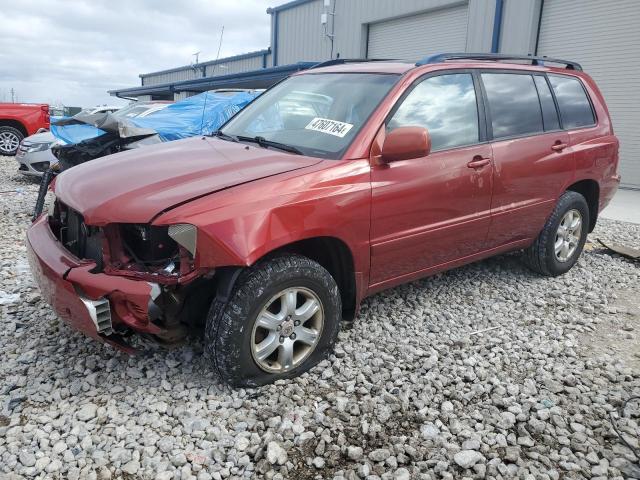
(430, 211)
(532, 156)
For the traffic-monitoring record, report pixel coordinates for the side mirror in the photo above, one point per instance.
(405, 143)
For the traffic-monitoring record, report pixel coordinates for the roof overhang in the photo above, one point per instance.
(262, 78)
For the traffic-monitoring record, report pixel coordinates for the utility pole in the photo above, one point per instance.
(12, 95)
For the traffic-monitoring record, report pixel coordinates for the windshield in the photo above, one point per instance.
(319, 114)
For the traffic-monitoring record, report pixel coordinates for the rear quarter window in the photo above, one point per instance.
(574, 105)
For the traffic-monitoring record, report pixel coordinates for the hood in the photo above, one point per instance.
(135, 186)
(44, 137)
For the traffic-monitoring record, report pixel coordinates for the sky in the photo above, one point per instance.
(71, 52)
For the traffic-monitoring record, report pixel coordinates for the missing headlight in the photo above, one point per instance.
(148, 244)
(185, 235)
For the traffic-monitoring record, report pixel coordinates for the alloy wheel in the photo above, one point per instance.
(568, 235)
(8, 142)
(287, 330)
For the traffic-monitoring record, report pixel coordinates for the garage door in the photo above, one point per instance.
(417, 36)
(604, 37)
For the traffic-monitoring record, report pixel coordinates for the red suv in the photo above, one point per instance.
(337, 183)
(19, 120)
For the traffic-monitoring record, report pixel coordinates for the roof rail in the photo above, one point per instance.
(341, 61)
(496, 57)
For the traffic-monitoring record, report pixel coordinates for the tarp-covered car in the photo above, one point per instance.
(87, 137)
(34, 153)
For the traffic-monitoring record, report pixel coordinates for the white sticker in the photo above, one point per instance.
(332, 127)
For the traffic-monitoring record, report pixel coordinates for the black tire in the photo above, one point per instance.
(11, 132)
(229, 328)
(540, 256)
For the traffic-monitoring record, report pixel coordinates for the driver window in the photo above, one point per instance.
(446, 106)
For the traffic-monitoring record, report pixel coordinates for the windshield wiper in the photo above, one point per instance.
(225, 136)
(263, 142)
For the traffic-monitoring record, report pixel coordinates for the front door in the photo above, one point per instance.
(430, 211)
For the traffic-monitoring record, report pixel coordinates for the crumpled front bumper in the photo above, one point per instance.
(68, 285)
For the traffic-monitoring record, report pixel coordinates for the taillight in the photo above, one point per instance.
(45, 110)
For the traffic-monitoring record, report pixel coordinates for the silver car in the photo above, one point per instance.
(34, 153)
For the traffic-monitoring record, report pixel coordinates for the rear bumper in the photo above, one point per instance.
(68, 285)
(607, 190)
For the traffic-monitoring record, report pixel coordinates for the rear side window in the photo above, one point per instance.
(513, 104)
(573, 103)
(446, 106)
(549, 112)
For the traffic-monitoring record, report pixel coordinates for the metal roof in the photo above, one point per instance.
(257, 53)
(287, 6)
(262, 78)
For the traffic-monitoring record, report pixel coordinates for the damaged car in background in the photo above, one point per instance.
(83, 138)
(335, 184)
(87, 137)
(34, 154)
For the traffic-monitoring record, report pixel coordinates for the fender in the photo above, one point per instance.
(238, 226)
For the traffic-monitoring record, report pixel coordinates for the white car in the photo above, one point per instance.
(34, 153)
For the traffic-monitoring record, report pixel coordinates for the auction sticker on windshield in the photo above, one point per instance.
(332, 127)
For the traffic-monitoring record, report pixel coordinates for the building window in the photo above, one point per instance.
(446, 106)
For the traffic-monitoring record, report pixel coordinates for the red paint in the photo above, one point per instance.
(400, 220)
(29, 116)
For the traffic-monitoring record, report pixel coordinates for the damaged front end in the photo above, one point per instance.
(128, 277)
(109, 143)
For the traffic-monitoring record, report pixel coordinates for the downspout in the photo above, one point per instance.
(497, 27)
(274, 36)
(535, 50)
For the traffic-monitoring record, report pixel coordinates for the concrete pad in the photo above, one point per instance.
(625, 206)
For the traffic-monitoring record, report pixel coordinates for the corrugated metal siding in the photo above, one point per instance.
(519, 26)
(416, 36)
(301, 35)
(187, 73)
(603, 37)
(237, 66)
(190, 73)
(480, 25)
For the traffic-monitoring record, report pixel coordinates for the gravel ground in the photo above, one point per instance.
(415, 389)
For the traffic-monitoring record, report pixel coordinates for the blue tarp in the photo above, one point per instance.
(198, 115)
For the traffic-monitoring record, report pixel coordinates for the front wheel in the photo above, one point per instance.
(560, 242)
(10, 139)
(282, 319)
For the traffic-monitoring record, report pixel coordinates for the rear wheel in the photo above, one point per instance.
(560, 243)
(10, 139)
(281, 319)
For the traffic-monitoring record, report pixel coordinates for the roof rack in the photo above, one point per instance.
(341, 61)
(496, 57)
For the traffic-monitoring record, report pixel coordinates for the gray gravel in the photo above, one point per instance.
(412, 391)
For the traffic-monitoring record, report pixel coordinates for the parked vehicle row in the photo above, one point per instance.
(335, 184)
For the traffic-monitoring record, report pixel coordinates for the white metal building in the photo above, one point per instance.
(603, 36)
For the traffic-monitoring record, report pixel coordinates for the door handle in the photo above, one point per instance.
(479, 162)
(558, 146)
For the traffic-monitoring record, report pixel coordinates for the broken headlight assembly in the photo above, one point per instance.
(160, 251)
